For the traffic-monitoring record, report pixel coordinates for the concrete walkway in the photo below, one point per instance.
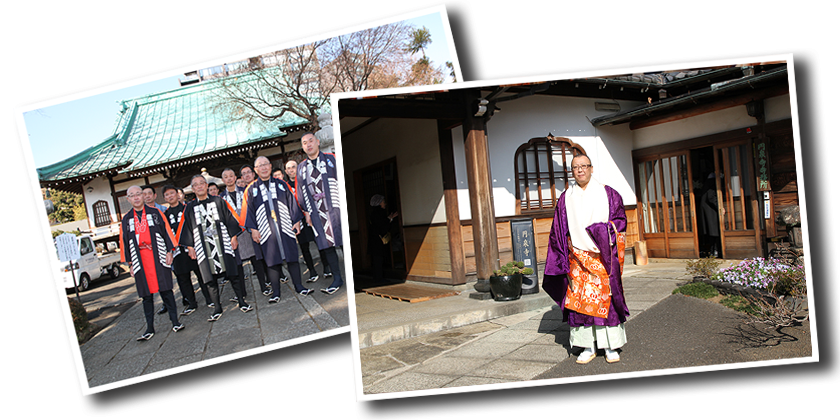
(456, 341)
(114, 354)
(381, 321)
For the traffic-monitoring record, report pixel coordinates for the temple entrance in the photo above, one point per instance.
(699, 201)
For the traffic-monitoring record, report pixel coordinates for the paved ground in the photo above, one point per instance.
(664, 331)
(114, 354)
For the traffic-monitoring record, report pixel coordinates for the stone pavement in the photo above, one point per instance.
(381, 321)
(114, 354)
(527, 339)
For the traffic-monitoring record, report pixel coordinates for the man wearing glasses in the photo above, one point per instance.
(584, 263)
(273, 215)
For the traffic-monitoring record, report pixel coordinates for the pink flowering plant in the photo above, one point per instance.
(771, 275)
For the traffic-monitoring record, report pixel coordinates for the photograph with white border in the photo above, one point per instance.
(207, 121)
(448, 185)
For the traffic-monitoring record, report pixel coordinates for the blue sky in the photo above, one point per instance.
(59, 131)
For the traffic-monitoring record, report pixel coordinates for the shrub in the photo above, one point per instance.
(697, 289)
(512, 268)
(80, 319)
(774, 276)
(704, 267)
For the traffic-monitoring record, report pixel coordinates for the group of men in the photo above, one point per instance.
(263, 222)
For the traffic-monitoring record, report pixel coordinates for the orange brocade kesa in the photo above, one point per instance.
(591, 295)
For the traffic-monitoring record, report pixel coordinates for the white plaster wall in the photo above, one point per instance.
(523, 119)
(776, 108)
(154, 179)
(414, 143)
(101, 191)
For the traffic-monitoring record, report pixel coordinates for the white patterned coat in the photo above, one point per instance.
(224, 225)
(274, 230)
(311, 200)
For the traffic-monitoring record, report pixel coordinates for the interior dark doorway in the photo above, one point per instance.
(379, 178)
(706, 202)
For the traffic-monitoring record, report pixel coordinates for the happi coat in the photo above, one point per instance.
(271, 208)
(161, 241)
(207, 226)
(555, 281)
(317, 190)
(237, 200)
(181, 262)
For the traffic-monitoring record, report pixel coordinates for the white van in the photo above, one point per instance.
(91, 266)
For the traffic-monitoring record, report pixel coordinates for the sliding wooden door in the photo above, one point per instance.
(666, 206)
(737, 201)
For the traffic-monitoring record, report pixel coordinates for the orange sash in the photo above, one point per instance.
(590, 281)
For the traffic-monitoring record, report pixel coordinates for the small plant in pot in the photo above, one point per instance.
(506, 282)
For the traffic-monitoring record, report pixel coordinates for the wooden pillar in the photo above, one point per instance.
(450, 199)
(477, 158)
(756, 109)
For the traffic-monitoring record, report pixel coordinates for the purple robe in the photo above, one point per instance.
(555, 282)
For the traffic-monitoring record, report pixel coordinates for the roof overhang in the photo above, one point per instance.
(717, 96)
(76, 184)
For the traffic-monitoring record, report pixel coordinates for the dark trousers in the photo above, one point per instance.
(213, 289)
(187, 290)
(307, 257)
(149, 309)
(331, 256)
(276, 271)
(238, 284)
(203, 286)
(260, 268)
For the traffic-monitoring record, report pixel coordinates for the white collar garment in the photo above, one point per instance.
(585, 207)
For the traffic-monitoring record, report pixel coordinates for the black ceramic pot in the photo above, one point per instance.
(506, 287)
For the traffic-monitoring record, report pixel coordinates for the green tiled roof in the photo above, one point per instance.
(156, 129)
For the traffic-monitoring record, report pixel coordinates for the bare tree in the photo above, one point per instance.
(365, 59)
(298, 81)
(286, 82)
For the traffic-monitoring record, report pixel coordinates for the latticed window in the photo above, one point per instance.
(543, 169)
(101, 213)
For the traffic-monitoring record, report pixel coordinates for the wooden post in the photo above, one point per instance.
(477, 158)
(450, 198)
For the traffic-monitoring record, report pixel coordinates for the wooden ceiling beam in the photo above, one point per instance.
(401, 108)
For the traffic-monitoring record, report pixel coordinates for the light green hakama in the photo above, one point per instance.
(607, 337)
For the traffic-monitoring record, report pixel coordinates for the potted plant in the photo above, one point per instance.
(506, 282)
